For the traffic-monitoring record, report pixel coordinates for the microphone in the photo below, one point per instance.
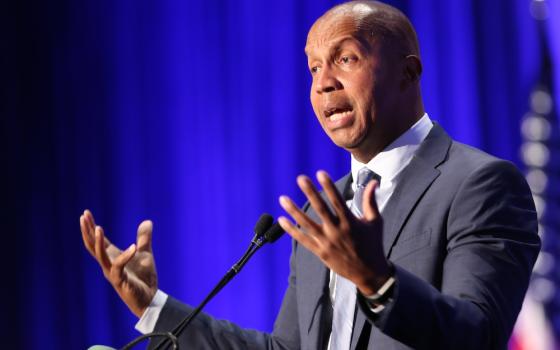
(275, 232)
(265, 232)
(262, 225)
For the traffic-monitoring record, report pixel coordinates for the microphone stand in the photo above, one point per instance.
(260, 238)
(256, 244)
(168, 335)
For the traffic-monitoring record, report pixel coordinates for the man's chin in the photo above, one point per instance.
(343, 140)
(348, 146)
(355, 146)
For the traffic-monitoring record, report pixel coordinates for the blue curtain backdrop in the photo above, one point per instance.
(195, 114)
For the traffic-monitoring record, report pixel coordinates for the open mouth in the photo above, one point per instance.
(334, 114)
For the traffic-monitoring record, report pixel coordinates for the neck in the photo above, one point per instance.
(381, 137)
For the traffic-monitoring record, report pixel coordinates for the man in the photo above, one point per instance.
(435, 254)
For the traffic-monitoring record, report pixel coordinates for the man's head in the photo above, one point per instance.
(364, 60)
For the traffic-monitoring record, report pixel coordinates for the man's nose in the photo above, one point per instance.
(327, 81)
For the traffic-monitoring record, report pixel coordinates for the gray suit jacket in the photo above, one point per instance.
(461, 230)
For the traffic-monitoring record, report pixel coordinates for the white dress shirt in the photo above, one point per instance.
(388, 164)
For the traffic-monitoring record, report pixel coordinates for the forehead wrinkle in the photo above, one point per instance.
(334, 36)
(335, 45)
(326, 30)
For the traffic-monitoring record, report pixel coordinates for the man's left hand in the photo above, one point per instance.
(350, 246)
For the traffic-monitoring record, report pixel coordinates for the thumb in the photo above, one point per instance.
(144, 236)
(369, 204)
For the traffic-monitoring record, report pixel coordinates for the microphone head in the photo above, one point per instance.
(262, 225)
(274, 233)
(100, 347)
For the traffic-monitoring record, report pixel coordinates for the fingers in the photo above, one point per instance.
(369, 204)
(100, 252)
(300, 217)
(113, 271)
(87, 226)
(89, 219)
(144, 236)
(314, 231)
(116, 274)
(317, 203)
(307, 241)
(109, 257)
(89, 242)
(338, 203)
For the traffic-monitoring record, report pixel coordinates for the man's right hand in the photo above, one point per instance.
(131, 272)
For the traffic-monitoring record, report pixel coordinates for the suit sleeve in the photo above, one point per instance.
(491, 246)
(206, 332)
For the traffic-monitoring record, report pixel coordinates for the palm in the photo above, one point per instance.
(132, 272)
(140, 277)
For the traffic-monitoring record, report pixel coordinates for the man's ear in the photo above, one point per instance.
(412, 68)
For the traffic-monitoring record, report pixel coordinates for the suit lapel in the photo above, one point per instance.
(404, 199)
(415, 179)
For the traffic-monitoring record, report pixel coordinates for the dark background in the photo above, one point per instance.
(195, 114)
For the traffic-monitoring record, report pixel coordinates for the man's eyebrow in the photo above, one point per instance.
(335, 46)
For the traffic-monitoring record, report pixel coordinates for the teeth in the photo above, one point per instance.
(339, 115)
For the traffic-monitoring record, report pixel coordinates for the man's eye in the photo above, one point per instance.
(346, 59)
(314, 69)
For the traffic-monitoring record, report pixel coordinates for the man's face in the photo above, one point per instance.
(355, 86)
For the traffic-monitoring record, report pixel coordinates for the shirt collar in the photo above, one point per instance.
(389, 162)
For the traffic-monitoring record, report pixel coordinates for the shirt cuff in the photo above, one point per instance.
(377, 302)
(147, 322)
